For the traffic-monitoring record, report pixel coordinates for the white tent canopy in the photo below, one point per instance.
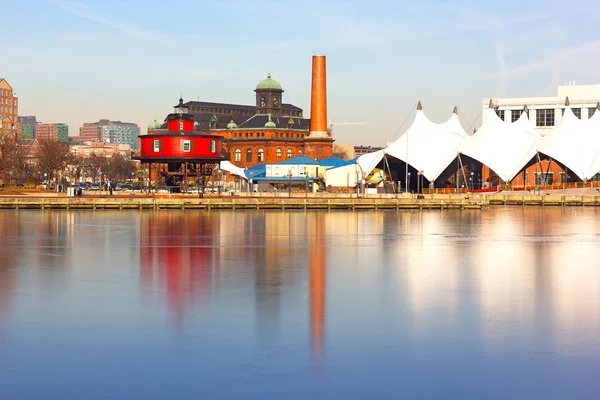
(427, 146)
(368, 162)
(504, 148)
(232, 169)
(575, 143)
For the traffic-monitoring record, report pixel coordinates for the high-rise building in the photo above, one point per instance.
(58, 132)
(27, 126)
(9, 110)
(89, 132)
(111, 132)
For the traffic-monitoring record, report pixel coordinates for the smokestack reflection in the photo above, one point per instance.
(318, 284)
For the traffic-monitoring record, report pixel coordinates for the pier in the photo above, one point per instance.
(235, 202)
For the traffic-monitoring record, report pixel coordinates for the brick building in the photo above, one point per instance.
(9, 110)
(268, 132)
(58, 132)
(106, 131)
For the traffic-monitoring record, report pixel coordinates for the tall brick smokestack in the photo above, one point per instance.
(318, 98)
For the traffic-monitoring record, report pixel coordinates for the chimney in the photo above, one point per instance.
(318, 99)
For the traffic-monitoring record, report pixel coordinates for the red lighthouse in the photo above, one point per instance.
(180, 154)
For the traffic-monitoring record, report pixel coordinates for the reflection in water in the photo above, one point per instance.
(500, 301)
(318, 284)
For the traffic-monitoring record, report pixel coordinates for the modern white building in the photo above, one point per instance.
(546, 112)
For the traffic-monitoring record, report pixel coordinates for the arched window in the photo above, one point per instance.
(263, 101)
(299, 152)
(289, 153)
(261, 155)
(249, 155)
(278, 152)
(238, 155)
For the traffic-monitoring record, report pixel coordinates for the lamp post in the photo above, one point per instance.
(348, 181)
(250, 187)
(562, 179)
(290, 184)
(472, 181)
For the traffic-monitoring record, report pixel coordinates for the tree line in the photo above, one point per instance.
(47, 158)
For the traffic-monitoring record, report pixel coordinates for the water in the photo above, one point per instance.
(500, 303)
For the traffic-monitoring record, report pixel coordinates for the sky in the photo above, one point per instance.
(130, 60)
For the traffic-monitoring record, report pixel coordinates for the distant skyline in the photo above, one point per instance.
(129, 60)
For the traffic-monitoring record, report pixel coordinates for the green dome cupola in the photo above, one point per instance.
(269, 84)
(154, 125)
(231, 124)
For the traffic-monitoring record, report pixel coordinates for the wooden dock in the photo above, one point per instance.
(437, 202)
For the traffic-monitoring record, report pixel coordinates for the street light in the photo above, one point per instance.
(251, 188)
(472, 181)
(408, 183)
(290, 185)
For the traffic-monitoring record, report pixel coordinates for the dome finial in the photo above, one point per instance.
(270, 123)
(419, 106)
(567, 102)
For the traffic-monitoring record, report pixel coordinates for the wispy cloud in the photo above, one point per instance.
(502, 66)
(573, 55)
(84, 11)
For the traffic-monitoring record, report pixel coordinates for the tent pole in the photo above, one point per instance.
(548, 170)
(543, 180)
(389, 174)
(462, 168)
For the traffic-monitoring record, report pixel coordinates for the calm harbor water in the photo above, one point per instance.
(500, 303)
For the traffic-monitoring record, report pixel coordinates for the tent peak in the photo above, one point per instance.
(598, 105)
(567, 102)
(455, 111)
(491, 105)
(525, 109)
(419, 106)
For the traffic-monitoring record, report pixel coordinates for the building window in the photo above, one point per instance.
(186, 146)
(156, 146)
(213, 146)
(263, 102)
(238, 155)
(544, 117)
(278, 152)
(249, 155)
(515, 115)
(591, 112)
(300, 152)
(289, 153)
(576, 112)
(500, 114)
(544, 178)
(261, 155)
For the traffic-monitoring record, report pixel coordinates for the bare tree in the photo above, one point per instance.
(13, 156)
(120, 168)
(51, 155)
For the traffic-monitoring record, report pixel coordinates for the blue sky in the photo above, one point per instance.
(79, 61)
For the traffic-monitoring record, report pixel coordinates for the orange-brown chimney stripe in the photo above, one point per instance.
(318, 100)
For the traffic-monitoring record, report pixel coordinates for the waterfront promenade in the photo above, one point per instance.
(328, 201)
